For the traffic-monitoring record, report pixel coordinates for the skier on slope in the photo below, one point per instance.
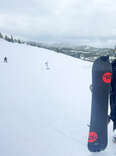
(5, 59)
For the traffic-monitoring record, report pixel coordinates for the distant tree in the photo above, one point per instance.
(12, 40)
(15, 40)
(22, 42)
(1, 36)
(19, 41)
(7, 38)
(57, 50)
(32, 43)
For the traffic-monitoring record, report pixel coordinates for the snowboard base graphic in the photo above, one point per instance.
(101, 79)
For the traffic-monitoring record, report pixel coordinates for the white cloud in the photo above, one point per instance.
(64, 18)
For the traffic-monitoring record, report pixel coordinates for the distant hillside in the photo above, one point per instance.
(85, 52)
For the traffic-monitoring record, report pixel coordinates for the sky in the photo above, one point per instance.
(68, 20)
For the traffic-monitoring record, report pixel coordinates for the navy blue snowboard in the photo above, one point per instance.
(101, 80)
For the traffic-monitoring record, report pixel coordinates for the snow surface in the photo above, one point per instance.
(45, 103)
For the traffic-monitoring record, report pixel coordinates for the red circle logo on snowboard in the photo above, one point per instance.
(107, 77)
(92, 137)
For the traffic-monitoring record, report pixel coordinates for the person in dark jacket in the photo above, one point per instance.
(113, 98)
(5, 59)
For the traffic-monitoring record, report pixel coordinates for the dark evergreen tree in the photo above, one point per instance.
(7, 38)
(19, 41)
(12, 40)
(1, 36)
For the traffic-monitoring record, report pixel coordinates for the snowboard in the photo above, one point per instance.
(101, 81)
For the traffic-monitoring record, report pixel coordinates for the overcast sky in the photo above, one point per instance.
(59, 19)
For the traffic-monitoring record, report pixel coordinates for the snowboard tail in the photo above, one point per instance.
(101, 79)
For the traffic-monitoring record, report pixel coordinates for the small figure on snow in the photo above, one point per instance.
(46, 64)
(5, 59)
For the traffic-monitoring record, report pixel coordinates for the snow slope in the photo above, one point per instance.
(44, 112)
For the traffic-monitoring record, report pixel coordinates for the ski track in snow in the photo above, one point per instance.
(45, 107)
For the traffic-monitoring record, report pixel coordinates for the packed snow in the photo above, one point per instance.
(45, 103)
